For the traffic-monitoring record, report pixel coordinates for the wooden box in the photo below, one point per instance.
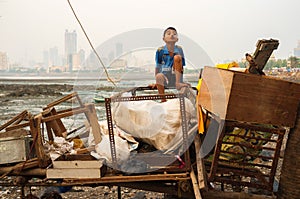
(13, 150)
(76, 166)
(247, 97)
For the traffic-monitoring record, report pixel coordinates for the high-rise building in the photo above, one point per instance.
(3, 61)
(45, 59)
(53, 56)
(76, 62)
(297, 50)
(70, 47)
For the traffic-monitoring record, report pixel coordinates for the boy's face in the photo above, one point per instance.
(170, 36)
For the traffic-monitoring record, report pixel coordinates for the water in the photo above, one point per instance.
(87, 89)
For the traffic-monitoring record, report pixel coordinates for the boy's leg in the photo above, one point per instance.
(160, 84)
(177, 66)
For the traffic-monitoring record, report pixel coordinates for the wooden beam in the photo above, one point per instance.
(65, 98)
(14, 133)
(202, 175)
(195, 185)
(289, 184)
(55, 125)
(65, 114)
(17, 126)
(35, 124)
(93, 120)
(11, 121)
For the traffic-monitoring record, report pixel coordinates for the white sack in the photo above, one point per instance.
(158, 124)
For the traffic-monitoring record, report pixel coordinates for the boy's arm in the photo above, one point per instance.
(182, 55)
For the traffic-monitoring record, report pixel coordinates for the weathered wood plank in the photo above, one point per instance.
(289, 185)
(195, 185)
(73, 173)
(43, 158)
(14, 119)
(202, 176)
(249, 98)
(93, 120)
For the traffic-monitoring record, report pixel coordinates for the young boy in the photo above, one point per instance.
(169, 63)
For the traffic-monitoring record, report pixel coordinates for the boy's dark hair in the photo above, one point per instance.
(169, 28)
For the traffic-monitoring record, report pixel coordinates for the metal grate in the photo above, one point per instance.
(246, 155)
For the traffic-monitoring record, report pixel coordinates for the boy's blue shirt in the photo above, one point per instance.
(164, 61)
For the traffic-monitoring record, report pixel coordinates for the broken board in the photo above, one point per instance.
(76, 166)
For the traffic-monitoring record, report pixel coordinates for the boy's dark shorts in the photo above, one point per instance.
(171, 81)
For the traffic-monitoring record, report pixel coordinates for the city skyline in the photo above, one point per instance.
(224, 29)
(74, 59)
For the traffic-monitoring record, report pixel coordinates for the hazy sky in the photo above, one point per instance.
(225, 29)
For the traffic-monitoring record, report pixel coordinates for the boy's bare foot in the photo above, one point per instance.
(181, 85)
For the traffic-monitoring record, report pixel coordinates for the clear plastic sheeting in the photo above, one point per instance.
(158, 124)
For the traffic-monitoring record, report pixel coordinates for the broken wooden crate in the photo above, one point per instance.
(250, 98)
(15, 149)
(76, 166)
(254, 103)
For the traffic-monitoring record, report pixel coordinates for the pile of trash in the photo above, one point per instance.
(137, 125)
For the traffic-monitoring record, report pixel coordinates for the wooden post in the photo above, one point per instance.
(202, 178)
(55, 125)
(289, 185)
(93, 120)
(195, 185)
(35, 128)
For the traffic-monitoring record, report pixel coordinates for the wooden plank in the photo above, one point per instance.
(35, 124)
(215, 90)
(55, 125)
(82, 173)
(59, 101)
(14, 150)
(11, 121)
(195, 185)
(77, 164)
(15, 133)
(289, 184)
(263, 100)
(137, 178)
(202, 176)
(77, 161)
(250, 98)
(93, 120)
(17, 126)
(65, 114)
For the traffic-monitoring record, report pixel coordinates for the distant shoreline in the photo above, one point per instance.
(128, 76)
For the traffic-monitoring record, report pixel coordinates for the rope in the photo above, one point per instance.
(101, 62)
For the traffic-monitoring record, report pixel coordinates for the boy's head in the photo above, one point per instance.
(169, 28)
(170, 35)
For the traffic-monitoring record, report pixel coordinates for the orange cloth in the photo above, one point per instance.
(199, 110)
